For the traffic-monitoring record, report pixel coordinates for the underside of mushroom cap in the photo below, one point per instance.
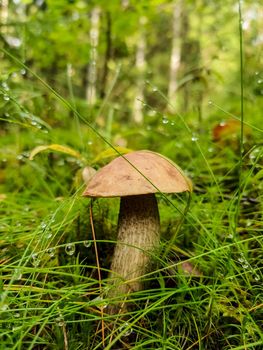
(135, 173)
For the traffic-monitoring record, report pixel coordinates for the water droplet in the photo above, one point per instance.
(60, 321)
(7, 114)
(165, 120)
(70, 249)
(230, 235)
(210, 102)
(245, 265)
(35, 260)
(20, 157)
(17, 274)
(152, 113)
(4, 307)
(172, 123)
(33, 122)
(194, 138)
(43, 225)
(155, 89)
(87, 244)
(241, 260)
(49, 234)
(249, 223)
(257, 278)
(22, 71)
(17, 315)
(51, 252)
(100, 302)
(90, 143)
(125, 327)
(6, 98)
(5, 86)
(260, 81)
(257, 73)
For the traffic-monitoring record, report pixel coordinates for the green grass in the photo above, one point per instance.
(51, 295)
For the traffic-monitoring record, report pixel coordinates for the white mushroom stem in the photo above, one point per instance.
(138, 236)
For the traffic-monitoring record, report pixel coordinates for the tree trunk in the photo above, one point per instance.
(140, 67)
(91, 92)
(175, 54)
(4, 15)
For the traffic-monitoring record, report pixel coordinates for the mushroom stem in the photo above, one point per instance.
(138, 235)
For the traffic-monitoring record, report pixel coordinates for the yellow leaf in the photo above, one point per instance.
(110, 152)
(54, 147)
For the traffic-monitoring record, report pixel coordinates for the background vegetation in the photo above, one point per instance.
(79, 77)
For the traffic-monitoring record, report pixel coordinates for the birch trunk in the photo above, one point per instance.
(140, 68)
(4, 14)
(91, 92)
(175, 53)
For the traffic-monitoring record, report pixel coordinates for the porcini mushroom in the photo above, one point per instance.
(136, 177)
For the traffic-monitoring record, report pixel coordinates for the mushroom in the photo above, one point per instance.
(136, 177)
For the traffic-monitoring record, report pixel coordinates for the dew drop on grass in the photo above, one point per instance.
(249, 223)
(245, 265)
(22, 71)
(165, 120)
(17, 274)
(87, 244)
(35, 260)
(4, 307)
(152, 113)
(17, 315)
(210, 102)
(60, 321)
(128, 330)
(20, 157)
(51, 252)
(5, 86)
(70, 249)
(48, 235)
(260, 81)
(43, 225)
(257, 278)
(6, 98)
(194, 138)
(100, 303)
(155, 89)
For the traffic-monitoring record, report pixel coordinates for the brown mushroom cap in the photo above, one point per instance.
(120, 178)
